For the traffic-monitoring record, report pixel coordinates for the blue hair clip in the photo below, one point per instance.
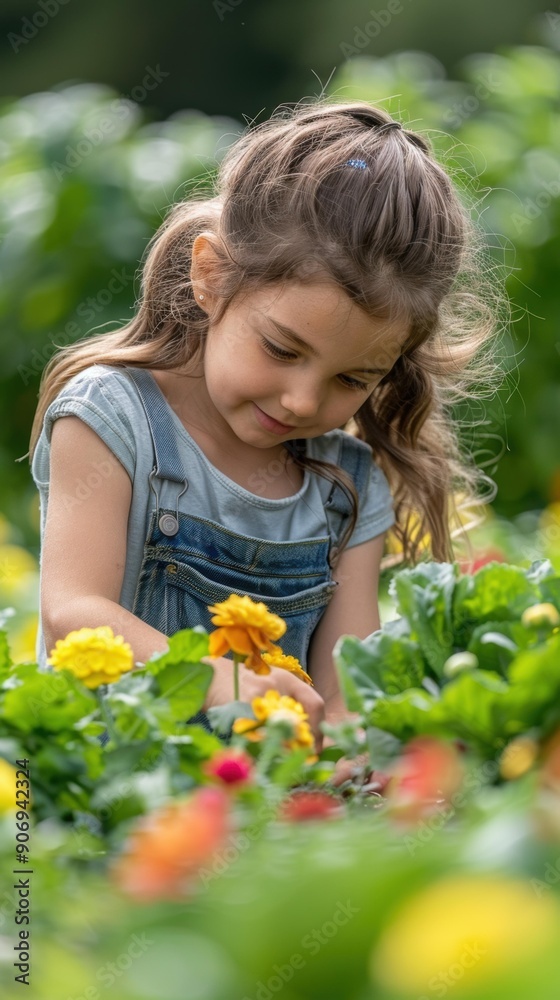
(360, 164)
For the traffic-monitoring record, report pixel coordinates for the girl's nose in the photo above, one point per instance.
(302, 398)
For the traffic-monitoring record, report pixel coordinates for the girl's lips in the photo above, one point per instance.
(270, 424)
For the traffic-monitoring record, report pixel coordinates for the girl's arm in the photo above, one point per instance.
(353, 610)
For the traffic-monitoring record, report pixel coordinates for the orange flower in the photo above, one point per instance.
(246, 627)
(274, 707)
(290, 663)
(167, 847)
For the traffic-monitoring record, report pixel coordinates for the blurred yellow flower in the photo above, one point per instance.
(18, 570)
(274, 707)
(7, 786)
(247, 628)
(23, 641)
(290, 663)
(94, 655)
(463, 928)
(518, 757)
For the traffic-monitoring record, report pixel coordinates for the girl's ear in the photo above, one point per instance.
(204, 266)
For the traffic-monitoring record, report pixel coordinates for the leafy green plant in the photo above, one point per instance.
(466, 659)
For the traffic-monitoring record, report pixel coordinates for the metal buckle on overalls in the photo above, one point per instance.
(168, 523)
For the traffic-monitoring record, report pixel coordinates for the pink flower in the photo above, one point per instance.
(232, 767)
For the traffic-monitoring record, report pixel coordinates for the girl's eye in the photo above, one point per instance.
(276, 352)
(353, 383)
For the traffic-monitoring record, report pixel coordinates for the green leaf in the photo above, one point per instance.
(473, 707)
(383, 747)
(184, 686)
(222, 717)
(540, 570)
(379, 665)
(45, 700)
(290, 770)
(497, 592)
(5, 658)
(425, 596)
(534, 685)
(405, 715)
(496, 644)
(187, 646)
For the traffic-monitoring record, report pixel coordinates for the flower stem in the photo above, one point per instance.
(236, 676)
(107, 717)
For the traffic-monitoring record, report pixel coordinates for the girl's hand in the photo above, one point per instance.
(253, 685)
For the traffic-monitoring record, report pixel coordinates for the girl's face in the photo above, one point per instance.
(269, 386)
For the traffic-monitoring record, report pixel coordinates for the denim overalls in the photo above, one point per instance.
(190, 562)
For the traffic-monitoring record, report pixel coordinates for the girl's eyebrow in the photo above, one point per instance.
(314, 353)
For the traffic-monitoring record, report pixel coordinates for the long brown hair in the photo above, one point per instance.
(392, 233)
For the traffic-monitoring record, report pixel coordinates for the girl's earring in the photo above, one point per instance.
(201, 297)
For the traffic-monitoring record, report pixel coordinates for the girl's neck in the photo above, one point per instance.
(241, 462)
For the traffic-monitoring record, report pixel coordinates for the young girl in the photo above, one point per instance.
(278, 402)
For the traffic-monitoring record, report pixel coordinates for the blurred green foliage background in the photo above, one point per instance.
(111, 112)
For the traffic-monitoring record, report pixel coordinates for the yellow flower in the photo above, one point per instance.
(18, 570)
(7, 786)
(463, 928)
(290, 663)
(246, 627)
(518, 757)
(94, 655)
(274, 707)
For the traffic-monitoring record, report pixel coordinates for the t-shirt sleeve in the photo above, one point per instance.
(376, 512)
(104, 402)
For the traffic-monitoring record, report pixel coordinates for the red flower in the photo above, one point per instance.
(167, 847)
(428, 772)
(482, 559)
(232, 767)
(303, 806)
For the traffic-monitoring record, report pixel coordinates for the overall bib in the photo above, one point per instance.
(190, 562)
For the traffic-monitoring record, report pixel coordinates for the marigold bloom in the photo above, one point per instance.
(247, 628)
(233, 767)
(7, 786)
(274, 707)
(304, 805)
(94, 655)
(480, 925)
(167, 848)
(290, 663)
(518, 757)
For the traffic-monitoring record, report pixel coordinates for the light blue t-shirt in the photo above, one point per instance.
(106, 399)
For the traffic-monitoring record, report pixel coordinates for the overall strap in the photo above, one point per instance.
(355, 457)
(168, 463)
